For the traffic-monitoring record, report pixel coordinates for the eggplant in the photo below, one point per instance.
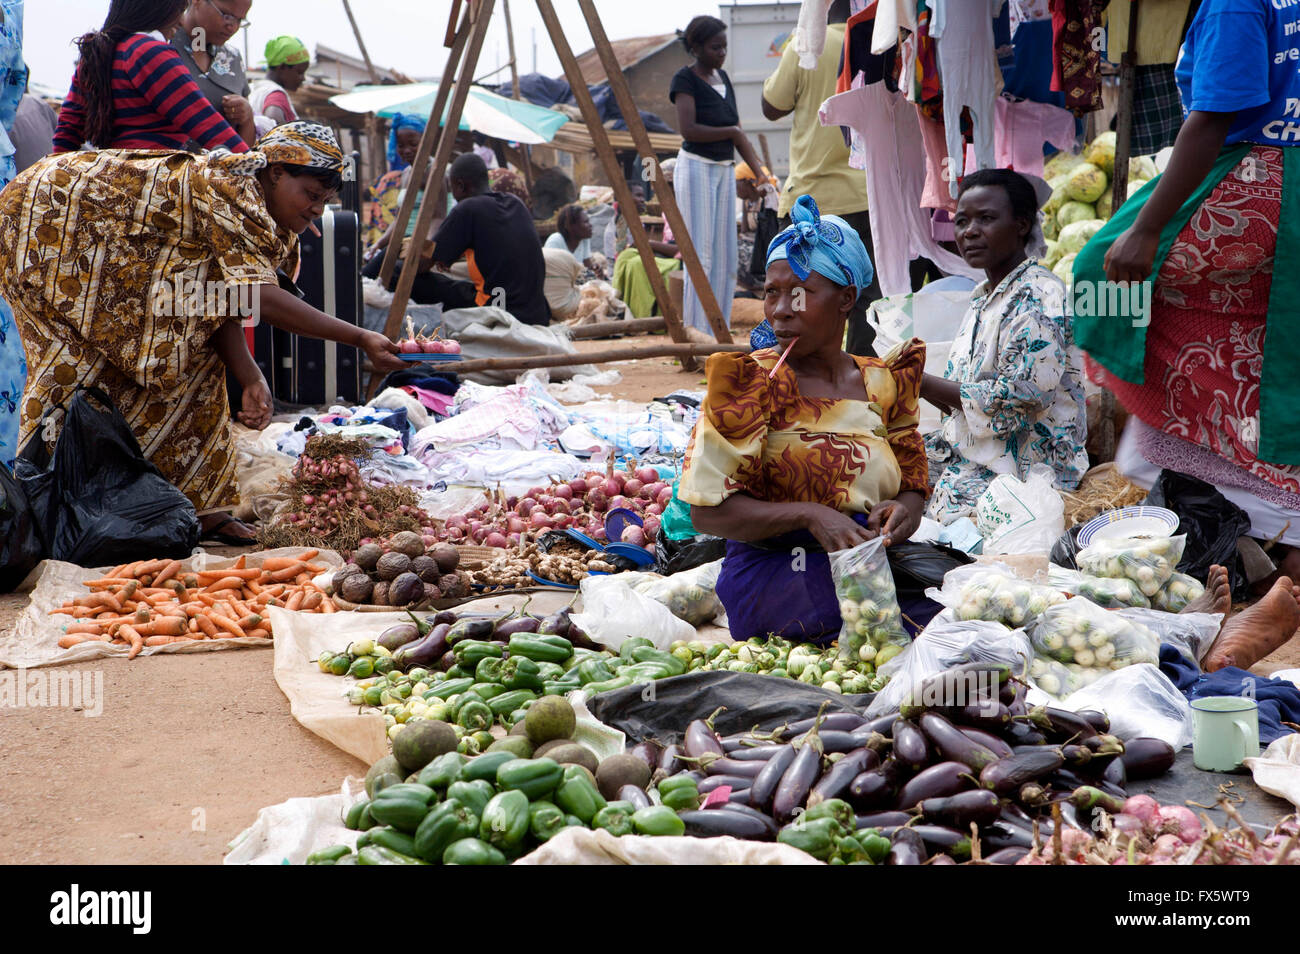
(993, 716)
(906, 848)
(951, 689)
(735, 782)
(398, 635)
(726, 766)
(979, 806)
(714, 824)
(753, 753)
(883, 724)
(1076, 756)
(1016, 704)
(876, 741)
(731, 743)
(466, 628)
(1007, 856)
(695, 774)
(1000, 835)
(938, 781)
(832, 721)
(1070, 815)
(637, 796)
(1116, 773)
(881, 820)
(833, 740)
(447, 661)
(871, 790)
(670, 760)
(1022, 733)
(1007, 775)
(766, 781)
(445, 616)
(739, 796)
(952, 744)
(578, 636)
(1065, 779)
(1147, 758)
(1110, 788)
(1013, 814)
(993, 743)
(910, 746)
(516, 624)
(702, 740)
(796, 783)
(1098, 720)
(1062, 723)
(835, 782)
(648, 752)
(895, 772)
(948, 841)
(424, 652)
(557, 624)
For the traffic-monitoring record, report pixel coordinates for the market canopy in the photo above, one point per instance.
(485, 112)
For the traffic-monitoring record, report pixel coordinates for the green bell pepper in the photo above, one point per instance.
(378, 855)
(659, 820)
(489, 669)
(458, 671)
(472, 851)
(486, 765)
(607, 685)
(835, 808)
(520, 672)
(816, 837)
(402, 806)
(448, 822)
(616, 818)
(876, 845)
(442, 771)
(644, 654)
(470, 652)
(556, 688)
(577, 796)
(593, 670)
(515, 717)
(487, 691)
(357, 815)
(547, 671)
(553, 649)
(630, 644)
(448, 688)
(680, 793)
(646, 670)
(508, 702)
(536, 778)
(545, 820)
(398, 841)
(505, 820)
(469, 746)
(473, 795)
(475, 715)
(328, 856)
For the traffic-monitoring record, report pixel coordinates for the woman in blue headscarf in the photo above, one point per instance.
(801, 448)
(386, 194)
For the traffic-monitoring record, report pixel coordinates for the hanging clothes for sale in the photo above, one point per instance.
(892, 16)
(1023, 127)
(809, 37)
(895, 178)
(1157, 108)
(1076, 71)
(934, 194)
(857, 59)
(968, 65)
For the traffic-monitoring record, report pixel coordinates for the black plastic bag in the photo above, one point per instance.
(674, 556)
(1212, 524)
(21, 547)
(918, 566)
(99, 502)
(1066, 548)
(766, 228)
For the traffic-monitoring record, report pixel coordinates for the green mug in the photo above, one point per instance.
(1225, 730)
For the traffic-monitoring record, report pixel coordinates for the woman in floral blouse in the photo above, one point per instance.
(1011, 393)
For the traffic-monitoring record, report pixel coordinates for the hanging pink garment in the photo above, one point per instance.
(895, 178)
(935, 194)
(971, 79)
(1023, 127)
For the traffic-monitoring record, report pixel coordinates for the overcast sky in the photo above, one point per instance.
(402, 34)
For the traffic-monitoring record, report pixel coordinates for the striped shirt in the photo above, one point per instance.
(156, 104)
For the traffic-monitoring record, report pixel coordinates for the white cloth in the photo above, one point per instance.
(706, 195)
(581, 253)
(891, 15)
(968, 63)
(810, 32)
(258, 92)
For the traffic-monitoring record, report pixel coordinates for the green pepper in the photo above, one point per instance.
(508, 702)
(545, 820)
(520, 672)
(448, 688)
(505, 820)
(378, 855)
(328, 856)
(608, 685)
(486, 690)
(573, 821)
(515, 717)
(849, 851)
(353, 819)
(644, 654)
(468, 746)
(472, 851)
(475, 715)
(547, 671)
(646, 670)
(876, 845)
(442, 771)
(403, 806)
(630, 644)
(363, 839)
(554, 649)
(536, 778)
(471, 652)
(616, 818)
(816, 837)
(460, 672)
(577, 796)
(682, 796)
(473, 795)
(659, 820)
(593, 670)
(835, 808)
(392, 838)
(489, 669)
(486, 765)
(449, 821)
(556, 688)
(675, 782)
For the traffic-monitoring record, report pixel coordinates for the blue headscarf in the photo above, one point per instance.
(822, 244)
(401, 121)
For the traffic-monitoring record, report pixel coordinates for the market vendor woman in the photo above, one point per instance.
(94, 245)
(818, 454)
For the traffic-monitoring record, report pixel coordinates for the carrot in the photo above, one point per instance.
(254, 587)
(70, 611)
(209, 576)
(206, 626)
(315, 568)
(86, 629)
(74, 639)
(164, 626)
(285, 574)
(312, 601)
(167, 572)
(229, 625)
(148, 567)
(167, 640)
(109, 582)
(259, 633)
(242, 562)
(206, 598)
(294, 602)
(192, 625)
(226, 583)
(129, 634)
(327, 605)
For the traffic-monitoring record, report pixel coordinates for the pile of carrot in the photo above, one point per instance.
(156, 603)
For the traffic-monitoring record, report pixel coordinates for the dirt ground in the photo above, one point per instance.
(189, 747)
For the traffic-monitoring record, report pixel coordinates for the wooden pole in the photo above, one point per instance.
(524, 362)
(411, 266)
(356, 31)
(514, 85)
(630, 326)
(767, 153)
(667, 200)
(450, 36)
(1124, 122)
(428, 139)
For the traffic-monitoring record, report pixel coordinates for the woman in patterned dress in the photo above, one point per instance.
(819, 454)
(1011, 393)
(134, 271)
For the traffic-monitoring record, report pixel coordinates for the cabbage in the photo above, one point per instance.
(1087, 183)
(1064, 269)
(1073, 212)
(1060, 164)
(1051, 227)
(1134, 185)
(1102, 207)
(1052, 255)
(1142, 167)
(1058, 199)
(1076, 235)
(1101, 152)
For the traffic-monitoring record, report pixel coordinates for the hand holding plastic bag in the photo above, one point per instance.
(868, 600)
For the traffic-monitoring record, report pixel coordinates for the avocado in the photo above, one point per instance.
(550, 717)
(619, 770)
(575, 755)
(387, 771)
(548, 746)
(422, 741)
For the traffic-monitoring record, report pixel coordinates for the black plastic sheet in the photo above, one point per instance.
(1212, 524)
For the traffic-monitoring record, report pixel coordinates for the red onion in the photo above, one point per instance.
(633, 487)
(611, 486)
(516, 525)
(536, 492)
(496, 540)
(511, 502)
(563, 491)
(654, 510)
(308, 500)
(479, 535)
(597, 500)
(647, 474)
(563, 521)
(619, 501)
(664, 496)
(651, 527)
(633, 535)
(599, 535)
(451, 347)
(559, 506)
(540, 520)
(578, 486)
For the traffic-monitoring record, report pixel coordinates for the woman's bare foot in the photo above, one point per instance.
(1258, 630)
(225, 528)
(1217, 597)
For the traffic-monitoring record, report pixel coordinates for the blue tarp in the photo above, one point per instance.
(551, 91)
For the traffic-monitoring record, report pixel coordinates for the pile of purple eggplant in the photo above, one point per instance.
(967, 772)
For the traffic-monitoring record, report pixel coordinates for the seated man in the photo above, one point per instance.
(495, 233)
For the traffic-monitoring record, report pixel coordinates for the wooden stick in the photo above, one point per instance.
(632, 326)
(524, 362)
(514, 84)
(1124, 124)
(356, 31)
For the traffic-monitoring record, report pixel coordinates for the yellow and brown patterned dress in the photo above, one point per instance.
(94, 247)
(758, 435)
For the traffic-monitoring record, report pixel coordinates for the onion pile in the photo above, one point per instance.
(423, 344)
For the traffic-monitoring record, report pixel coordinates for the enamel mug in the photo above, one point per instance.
(1225, 730)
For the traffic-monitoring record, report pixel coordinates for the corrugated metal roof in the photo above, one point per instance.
(628, 53)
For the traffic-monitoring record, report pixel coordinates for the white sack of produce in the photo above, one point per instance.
(1079, 631)
(1021, 516)
(1141, 703)
(1277, 769)
(612, 612)
(943, 645)
(292, 830)
(993, 592)
(581, 846)
(690, 595)
(1148, 562)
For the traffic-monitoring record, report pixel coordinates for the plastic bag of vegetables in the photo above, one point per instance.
(1052, 677)
(1148, 562)
(689, 595)
(1177, 593)
(993, 592)
(1107, 592)
(1190, 633)
(1079, 631)
(869, 613)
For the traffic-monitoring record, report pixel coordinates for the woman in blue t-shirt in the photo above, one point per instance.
(704, 181)
(1208, 371)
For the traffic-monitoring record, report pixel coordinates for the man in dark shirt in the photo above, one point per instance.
(495, 233)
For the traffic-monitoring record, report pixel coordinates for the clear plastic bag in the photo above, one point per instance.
(690, 595)
(1059, 680)
(1177, 592)
(943, 645)
(869, 613)
(1148, 562)
(1141, 702)
(612, 611)
(1081, 632)
(993, 592)
(1016, 516)
(1190, 633)
(1106, 592)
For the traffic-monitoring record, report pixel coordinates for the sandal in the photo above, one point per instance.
(214, 533)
